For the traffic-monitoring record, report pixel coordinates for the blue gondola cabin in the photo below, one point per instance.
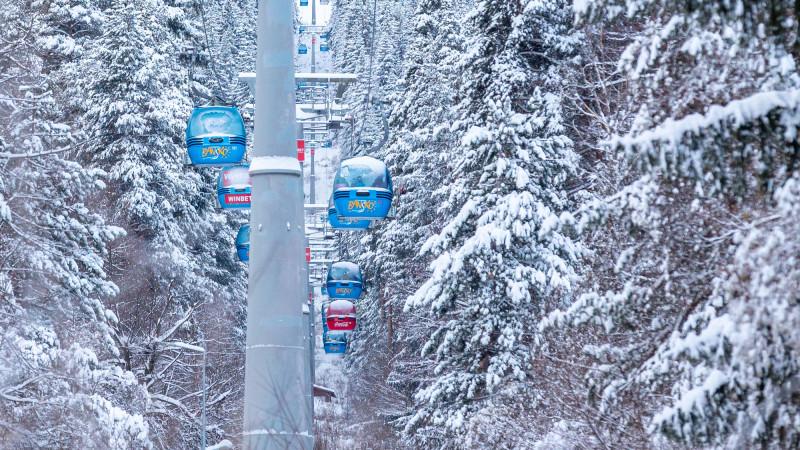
(302, 49)
(215, 136)
(234, 187)
(243, 243)
(363, 189)
(334, 342)
(344, 280)
(323, 47)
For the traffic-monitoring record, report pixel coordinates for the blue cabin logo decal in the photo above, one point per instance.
(361, 205)
(215, 152)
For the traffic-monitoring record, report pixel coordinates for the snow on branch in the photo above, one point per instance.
(185, 346)
(699, 143)
(175, 327)
(737, 113)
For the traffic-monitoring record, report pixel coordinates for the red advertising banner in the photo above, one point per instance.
(237, 199)
(341, 323)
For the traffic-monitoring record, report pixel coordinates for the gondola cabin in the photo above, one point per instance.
(362, 189)
(215, 136)
(340, 223)
(233, 187)
(302, 49)
(334, 343)
(334, 348)
(323, 47)
(344, 280)
(303, 2)
(243, 243)
(340, 315)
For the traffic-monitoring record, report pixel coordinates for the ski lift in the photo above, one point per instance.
(344, 280)
(323, 47)
(340, 315)
(326, 35)
(302, 49)
(327, 144)
(233, 187)
(362, 189)
(303, 2)
(215, 136)
(340, 223)
(334, 342)
(324, 2)
(243, 243)
(301, 29)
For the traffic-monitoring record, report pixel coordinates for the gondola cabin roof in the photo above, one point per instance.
(341, 308)
(344, 271)
(363, 172)
(235, 177)
(215, 121)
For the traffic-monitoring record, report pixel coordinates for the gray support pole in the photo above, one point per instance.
(313, 177)
(313, 52)
(309, 341)
(275, 413)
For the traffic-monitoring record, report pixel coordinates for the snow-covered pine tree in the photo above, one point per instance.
(501, 260)
(60, 386)
(179, 281)
(691, 327)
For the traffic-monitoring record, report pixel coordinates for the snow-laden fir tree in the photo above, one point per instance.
(689, 320)
(176, 271)
(501, 259)
(60, 386)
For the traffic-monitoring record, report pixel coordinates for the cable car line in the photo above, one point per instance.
(373, 34)
(217, 78)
